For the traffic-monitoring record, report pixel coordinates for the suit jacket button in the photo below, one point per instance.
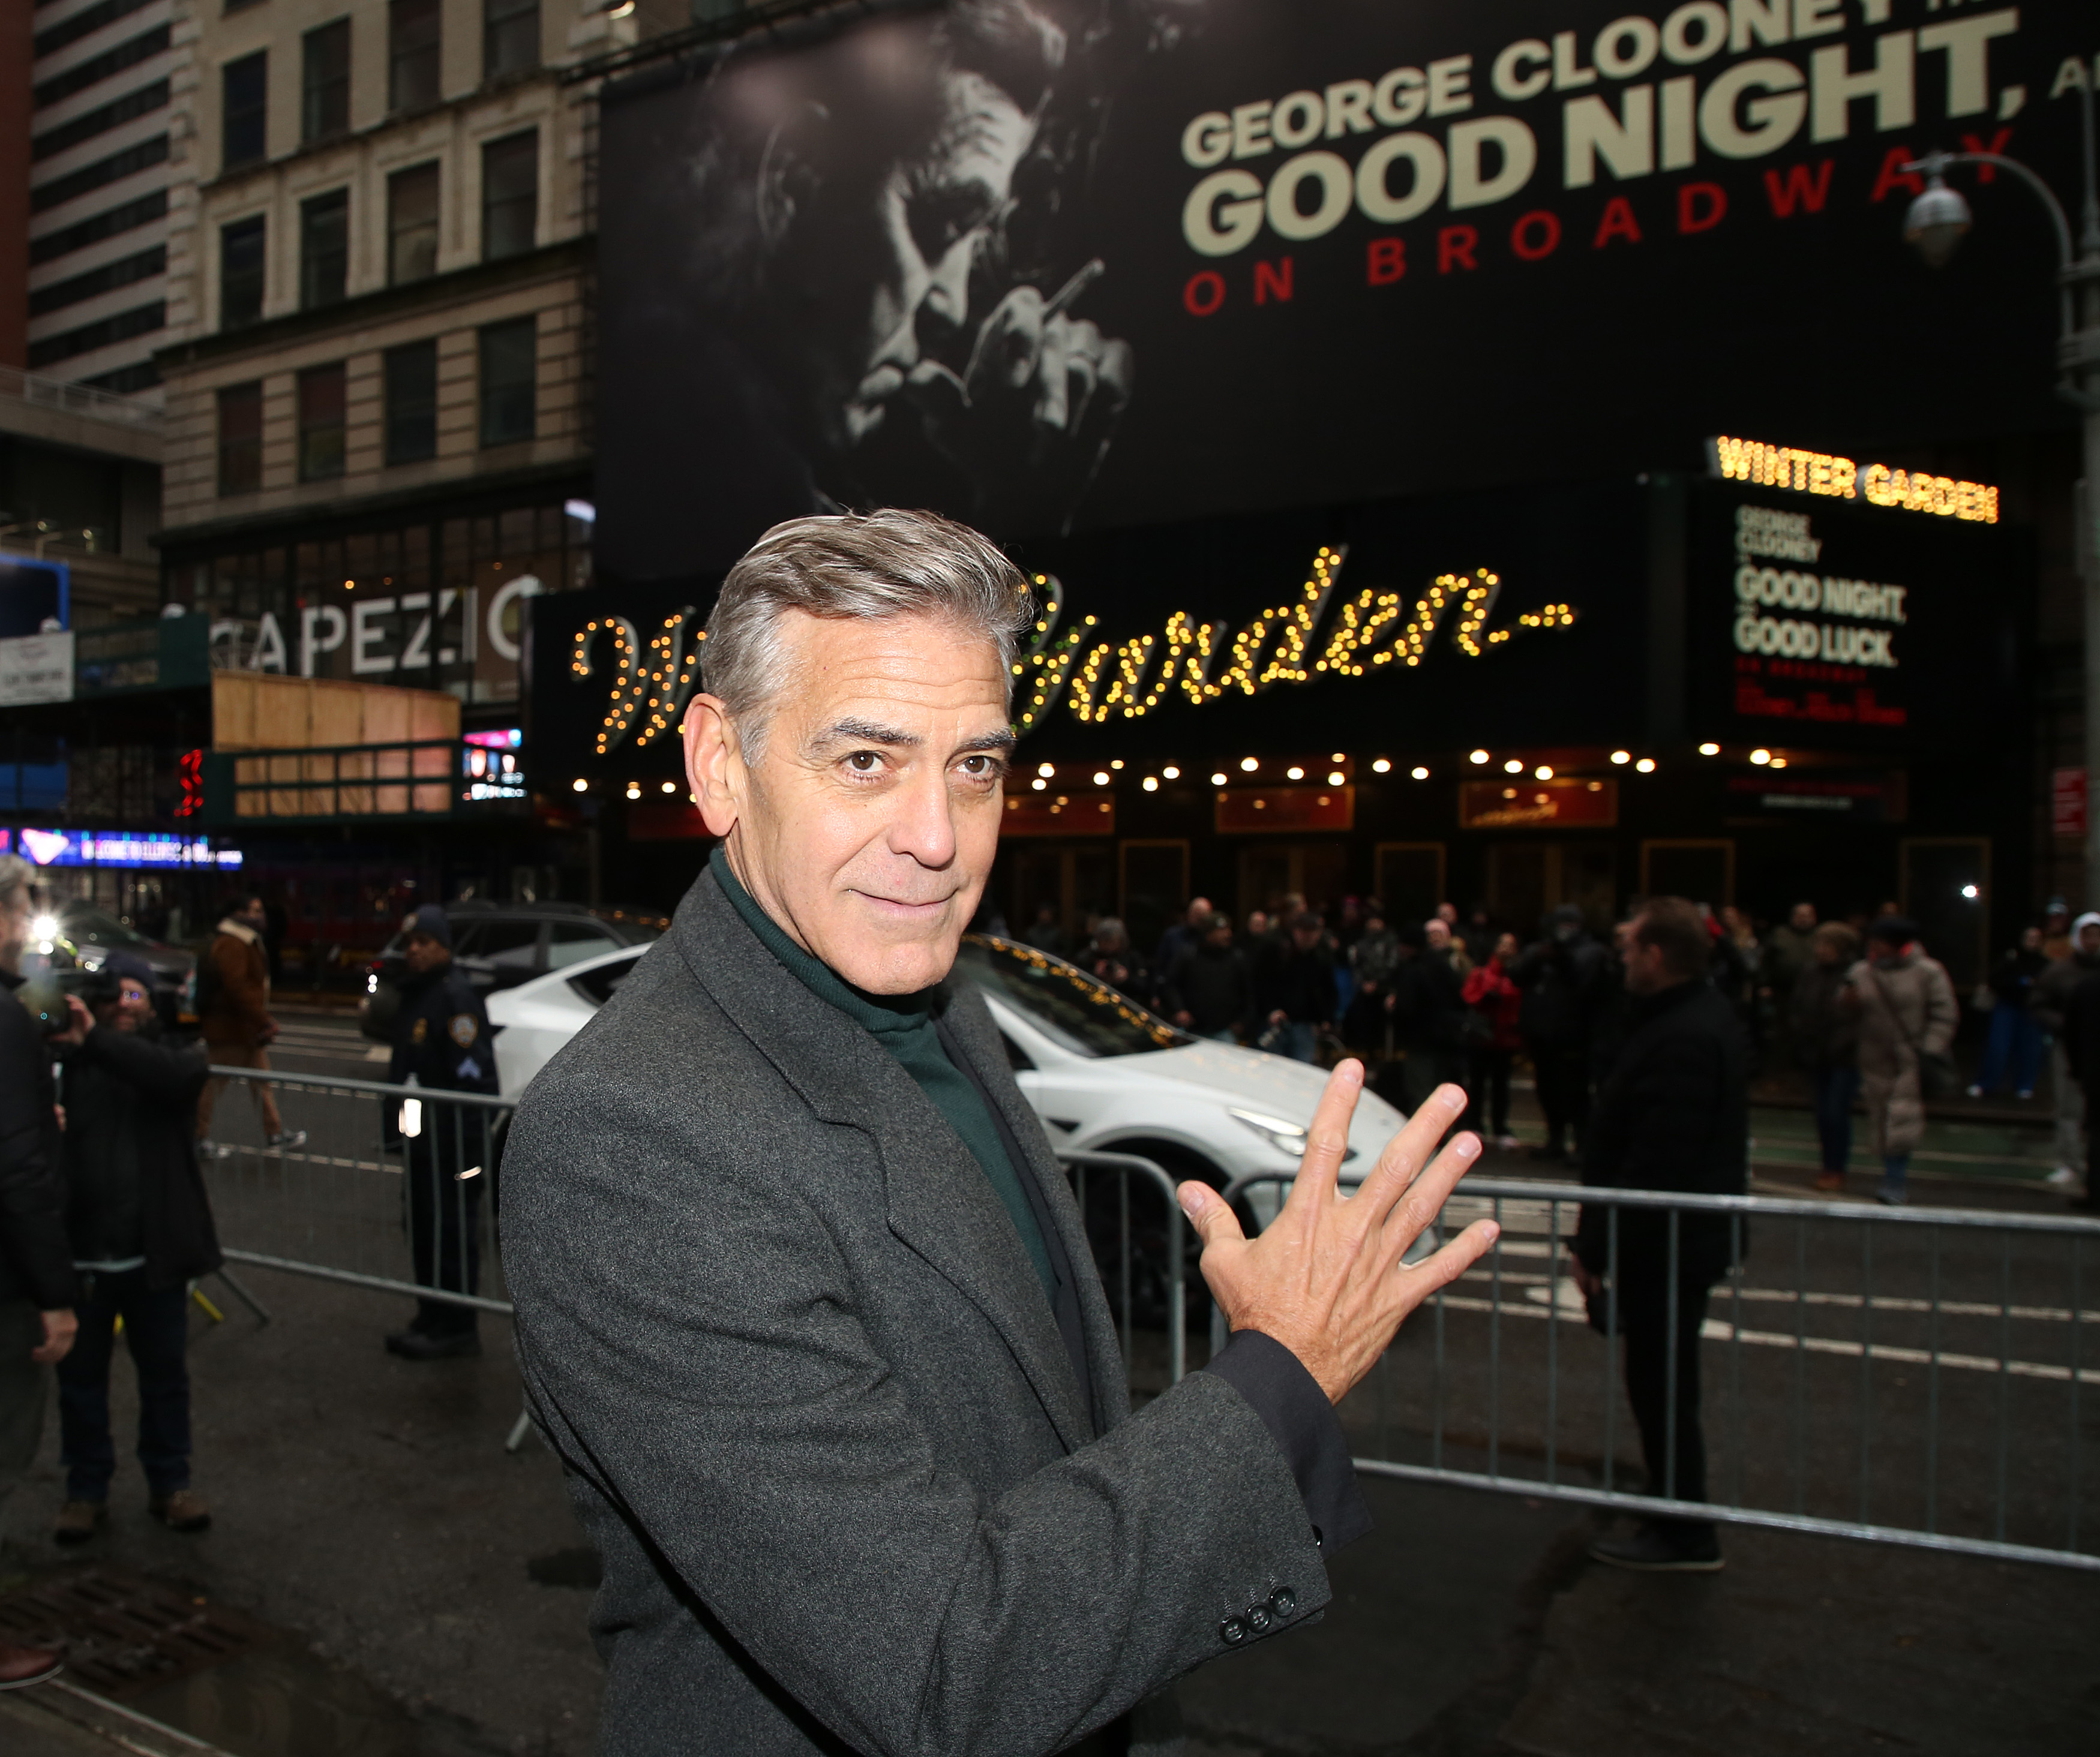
(1232, 1632)
(1283, 1601)
(1259, 1619)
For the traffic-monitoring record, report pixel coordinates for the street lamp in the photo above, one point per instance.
(1935, 223)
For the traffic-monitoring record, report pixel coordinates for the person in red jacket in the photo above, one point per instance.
(1489, 990)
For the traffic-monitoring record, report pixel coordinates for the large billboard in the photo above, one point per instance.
(1054, 266)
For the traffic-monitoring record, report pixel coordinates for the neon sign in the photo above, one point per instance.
(86, 848)
(1799, 472)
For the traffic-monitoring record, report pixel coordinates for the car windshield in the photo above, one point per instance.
(1067, 1005)
(85, 924)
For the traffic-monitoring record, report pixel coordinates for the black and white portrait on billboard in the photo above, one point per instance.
(876, 290)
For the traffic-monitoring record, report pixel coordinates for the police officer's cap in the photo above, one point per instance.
(430, 921)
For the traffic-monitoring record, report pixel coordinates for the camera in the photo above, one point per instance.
(45, 996)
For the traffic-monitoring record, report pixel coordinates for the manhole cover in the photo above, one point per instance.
(121, 1634)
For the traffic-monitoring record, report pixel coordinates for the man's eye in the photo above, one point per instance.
(864, 762)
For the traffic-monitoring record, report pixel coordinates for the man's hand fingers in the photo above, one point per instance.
(1406, 1153)
(1441, 1268)
(1210, 1214)
(1328, 1139)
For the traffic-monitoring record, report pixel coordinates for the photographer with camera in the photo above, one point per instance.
(37, 1288)
(141, 1230)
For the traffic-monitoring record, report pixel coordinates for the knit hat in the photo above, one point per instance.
(430, 921)
(127, 967)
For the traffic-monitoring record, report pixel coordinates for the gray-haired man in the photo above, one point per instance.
(803, 1303)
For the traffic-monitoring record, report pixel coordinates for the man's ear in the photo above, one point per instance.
(714, 765)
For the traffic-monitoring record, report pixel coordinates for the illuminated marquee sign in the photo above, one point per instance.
(1799, 472)
(87, 848)
(1318, 634)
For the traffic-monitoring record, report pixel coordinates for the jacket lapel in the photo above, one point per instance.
(971, 1022)
(939, 1203)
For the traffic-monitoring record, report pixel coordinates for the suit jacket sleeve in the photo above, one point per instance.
(32, 1233)
(716, 1384)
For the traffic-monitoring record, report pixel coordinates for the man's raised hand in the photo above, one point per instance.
(1326, 1279)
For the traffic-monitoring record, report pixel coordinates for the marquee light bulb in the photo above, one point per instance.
(1340, 756)
(580, 785)
(1419, 773)
(1217, 781)
(1779, 762)
(1513, 767)
(1100, 777)
(1544, 771)
(1622, 756)
(1294, 773)
(1709, 749)
(1646, 765)
(1170, 772)
(1382, 767)
(1039, 784)
(1249, 764)
(1117, 763)
(1761, 757)
(1335, 780)
(1151, 784)
(1478, 756)
(633, 789)
(670, 786)
(1046, 770)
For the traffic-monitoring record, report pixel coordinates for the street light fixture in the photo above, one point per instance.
(1935, 223)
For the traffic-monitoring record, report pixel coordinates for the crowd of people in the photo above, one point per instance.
(1857, 1010)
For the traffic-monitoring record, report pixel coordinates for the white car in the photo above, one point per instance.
(1102, 1073)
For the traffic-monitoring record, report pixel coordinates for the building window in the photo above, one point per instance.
(240, 438)
(509, 38)
(320, 423)
(510, 367)
(324, 249)
(244, 111)
(414, 71)
(241, 269)
(324, 83)
(411, 402)
(509, 195)
(412, 223)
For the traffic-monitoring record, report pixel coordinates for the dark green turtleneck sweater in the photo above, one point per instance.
(903, 1024)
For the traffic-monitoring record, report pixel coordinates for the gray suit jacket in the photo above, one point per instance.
(816, 1413)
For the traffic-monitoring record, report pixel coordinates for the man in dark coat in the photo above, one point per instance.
(441, 1043)
(1672, 1113)
(1294, 992)
(1210, 990)
(1564, 977)
(804, 1304)
(36, 1282)
(2079, 1029)
(1426, 1000)
(141, 1227)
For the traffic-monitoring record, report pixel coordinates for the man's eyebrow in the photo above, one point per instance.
(1001, 741)
(866, 732)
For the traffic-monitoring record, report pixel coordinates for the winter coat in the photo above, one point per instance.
(237, 1011)
(133, 1188)
(1562, 980)
(1825, 1032)
(1213, 985)
(1673, 1113)
(2080, 1033)
(1428, 1003)
(36, 1260)
(1905, 1008)
(2052, 989)
(1300, 985)
(1374, 957)
(2014, 977)
(1490, 990)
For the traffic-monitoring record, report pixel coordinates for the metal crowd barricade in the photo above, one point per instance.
(385, 1173)
(1910, 1375)
(338, 1207)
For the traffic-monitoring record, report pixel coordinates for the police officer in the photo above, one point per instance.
(441, 1042)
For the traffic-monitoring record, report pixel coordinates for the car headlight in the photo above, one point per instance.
(1285, 1137)
(372, 984)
